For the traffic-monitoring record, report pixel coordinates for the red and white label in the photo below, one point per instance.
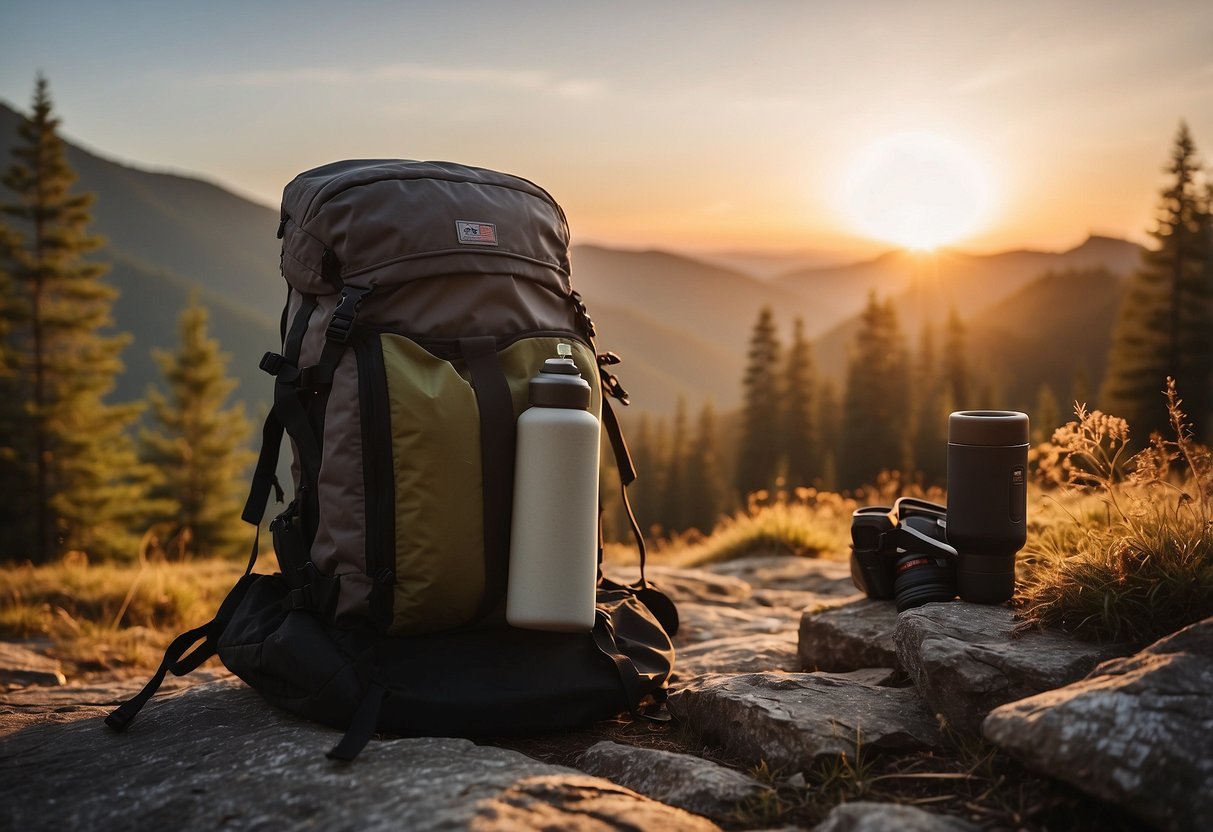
(476, 233)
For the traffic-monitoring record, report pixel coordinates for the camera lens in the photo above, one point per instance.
(921, 579)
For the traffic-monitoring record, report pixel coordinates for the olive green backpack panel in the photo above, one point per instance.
(439, 504)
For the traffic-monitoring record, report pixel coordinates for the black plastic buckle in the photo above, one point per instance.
(583, 314)
(341, 325)
(611, 385)
(272, 363)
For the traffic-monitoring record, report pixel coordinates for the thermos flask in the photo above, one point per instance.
(987, 500)
(554, 535)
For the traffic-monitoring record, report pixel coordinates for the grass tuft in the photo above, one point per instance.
(1133, 559)
(808, 523)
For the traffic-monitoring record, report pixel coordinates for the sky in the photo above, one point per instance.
(701, 126)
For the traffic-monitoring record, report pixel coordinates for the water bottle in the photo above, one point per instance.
(554, 534)
(987, 500)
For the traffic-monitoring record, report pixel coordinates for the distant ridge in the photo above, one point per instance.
(680, 323)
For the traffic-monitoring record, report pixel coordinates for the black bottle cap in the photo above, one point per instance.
(559, 384)
(988, 427)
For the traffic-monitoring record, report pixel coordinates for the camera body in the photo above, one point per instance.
(901, 553)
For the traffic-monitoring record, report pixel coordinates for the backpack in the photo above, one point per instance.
(422, 297)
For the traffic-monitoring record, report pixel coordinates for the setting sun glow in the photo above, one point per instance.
(917, 190)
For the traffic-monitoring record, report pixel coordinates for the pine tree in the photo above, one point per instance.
(1047, 417)
(70, 477)
(957, 373)
(674, 487)
(1165, 327)
(876, 409)
(799, 417)
(929, 443)
(829, 428)
(759, 452)
(643, 493)
(199, 451)
(705, 483)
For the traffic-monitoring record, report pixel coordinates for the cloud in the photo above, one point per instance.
(482, 77)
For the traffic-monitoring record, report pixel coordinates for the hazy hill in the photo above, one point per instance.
(169, 234)
(926, 287)
(1056, 326)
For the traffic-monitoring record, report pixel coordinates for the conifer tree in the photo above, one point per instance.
(759, 451)
(957, 372)
(876, 409)
(642, 494)
(929, 443)
(1047, 417)
(799, 417)
(829, 426)
(674, 487)
(198, 450)
(70, 478)
(1165, 327)
(705, 483)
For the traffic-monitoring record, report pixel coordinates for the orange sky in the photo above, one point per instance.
(689, 126)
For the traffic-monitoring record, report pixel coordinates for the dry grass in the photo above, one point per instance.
(1131, 556)
(807, 523)
(110, 615)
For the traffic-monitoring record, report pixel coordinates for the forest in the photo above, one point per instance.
(163, 476)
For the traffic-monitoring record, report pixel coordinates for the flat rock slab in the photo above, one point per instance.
(1137, 732)
(694, 584)
(739, 654)
(708, 622)
(20, 666)
(681, 780)
(217, 755)
(865, 816)
(966, 659)
(782, 572)
(794, 720)
(849, 636)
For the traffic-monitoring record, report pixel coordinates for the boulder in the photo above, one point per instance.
(217, 755)
(865, 816)
(1137, 732)
(20, 666)
(848, 636)
(794, 720)
(681, 780)
(967, 659)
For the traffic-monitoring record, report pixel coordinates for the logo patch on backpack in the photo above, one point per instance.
(476, 233)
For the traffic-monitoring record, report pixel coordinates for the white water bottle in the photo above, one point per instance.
(554, 534)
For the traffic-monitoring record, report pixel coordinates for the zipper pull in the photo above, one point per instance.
(282, 225)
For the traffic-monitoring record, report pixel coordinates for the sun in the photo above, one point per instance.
(919, 190)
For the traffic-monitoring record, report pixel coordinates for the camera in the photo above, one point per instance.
(901, 553)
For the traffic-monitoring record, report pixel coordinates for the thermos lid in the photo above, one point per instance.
(988, 427)
(559, 384)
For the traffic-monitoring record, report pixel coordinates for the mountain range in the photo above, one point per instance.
(680, 323)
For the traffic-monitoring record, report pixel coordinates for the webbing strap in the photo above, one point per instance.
(627, 475)
(265, 475)
(176, 660)
(122, 716)
(362, 726)
(496, 405)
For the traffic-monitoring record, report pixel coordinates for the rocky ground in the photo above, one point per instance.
(799, 705)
